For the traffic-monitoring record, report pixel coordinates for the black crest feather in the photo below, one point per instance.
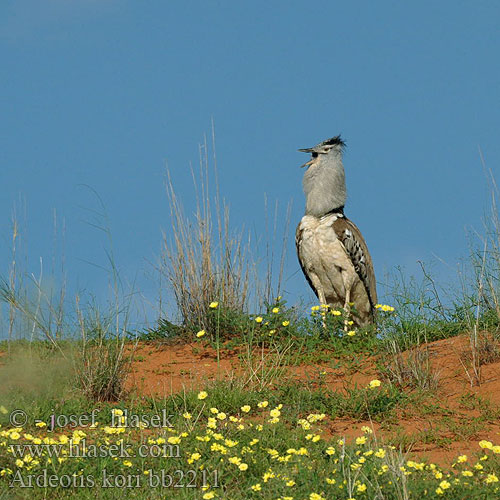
(334, 141)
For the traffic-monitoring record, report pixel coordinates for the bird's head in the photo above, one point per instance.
(324, 150)
(324, 178)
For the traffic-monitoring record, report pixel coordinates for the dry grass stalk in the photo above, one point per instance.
(483, 345)
(102, 364)
(264, 369)
(411, 368)
(205, 263)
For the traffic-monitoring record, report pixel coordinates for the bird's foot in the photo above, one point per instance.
(347, 317)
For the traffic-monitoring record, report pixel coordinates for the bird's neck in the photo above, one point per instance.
(324, 187)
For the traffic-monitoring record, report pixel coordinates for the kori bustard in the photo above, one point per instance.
(332, 252)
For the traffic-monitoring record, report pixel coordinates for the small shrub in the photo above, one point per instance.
(101, 364)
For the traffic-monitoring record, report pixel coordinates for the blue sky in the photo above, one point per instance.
(107, 93)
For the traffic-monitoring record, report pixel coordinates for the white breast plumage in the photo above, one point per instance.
(333, 257)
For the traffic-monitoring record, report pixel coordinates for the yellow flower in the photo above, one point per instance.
(361, 440)
(462, 459)
(486, 444)
(361, 488)
(496, 449)
(415, 465)
(246, 408)
(374, 383)
(127, 463)
(201, 333)
(330, 450)
(315, 496)
(213, 305)
(384, 308)
(290, 483)
(315, 308)
(313, 437)
(275, 413)
(14, 435)
(467, 473)
(243, 466)
(491, 478)
(202, 395)
(304, 424)
(187, 415)
(314, 417)
(221, 416)
(351, 333)
(258, 319)
(209, 495)
(444, 485)
(439, 491)
(41, 424)
(262, 404)
(285, 323)
(276, 310)
(256, 487)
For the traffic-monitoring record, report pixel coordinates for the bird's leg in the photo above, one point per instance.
(347, 309)
(322, 300)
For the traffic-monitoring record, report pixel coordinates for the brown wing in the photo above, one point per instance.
(298, 241)
(354, 243)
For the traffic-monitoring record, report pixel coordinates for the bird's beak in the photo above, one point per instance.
(307, 163)
(307, 150)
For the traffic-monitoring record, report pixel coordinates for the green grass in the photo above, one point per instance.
(293, 457)
(257, 452)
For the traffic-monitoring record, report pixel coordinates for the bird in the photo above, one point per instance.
(331, 250)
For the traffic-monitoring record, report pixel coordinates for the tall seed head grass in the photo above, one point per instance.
(102, 365)
(205, 261)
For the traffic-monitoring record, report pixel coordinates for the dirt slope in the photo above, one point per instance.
(450, 422)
